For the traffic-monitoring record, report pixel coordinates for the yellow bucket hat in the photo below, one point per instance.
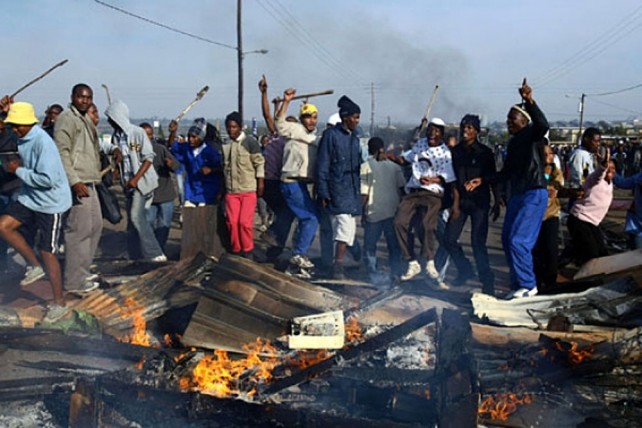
(308, 110)
(21, 113)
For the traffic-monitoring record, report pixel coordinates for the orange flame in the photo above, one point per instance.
(305, 359)
(575, 355)
(499, 407)
(353, 330)
(139, 335)
(221, 376)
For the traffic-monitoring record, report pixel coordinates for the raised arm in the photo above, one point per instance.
(265, 106)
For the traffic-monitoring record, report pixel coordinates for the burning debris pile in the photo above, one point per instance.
(233, 359)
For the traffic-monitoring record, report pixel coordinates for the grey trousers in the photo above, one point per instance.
(82, 233)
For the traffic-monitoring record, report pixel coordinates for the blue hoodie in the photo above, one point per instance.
(45, 188)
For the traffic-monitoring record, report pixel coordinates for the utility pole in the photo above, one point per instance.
(581, 108)
(372, 109)
(239, 54)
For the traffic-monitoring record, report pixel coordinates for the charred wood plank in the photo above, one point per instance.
(26, 388)
(375, 343)
(458, 392)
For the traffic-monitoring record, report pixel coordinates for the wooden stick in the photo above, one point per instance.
(108, 94)
(300, 97)
(429, 107)
(39, 77)
(199, 96)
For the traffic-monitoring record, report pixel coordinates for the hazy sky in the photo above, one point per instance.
(476, 51)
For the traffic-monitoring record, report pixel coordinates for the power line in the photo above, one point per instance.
(301, 37)
(167, 27)
(596, 46)
(304, 32)
(619, 91)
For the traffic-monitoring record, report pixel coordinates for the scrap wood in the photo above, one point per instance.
(628, 262)
(372, 344)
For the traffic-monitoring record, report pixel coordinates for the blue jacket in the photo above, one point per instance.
(338, 171)
(45, 188)
(200, 188)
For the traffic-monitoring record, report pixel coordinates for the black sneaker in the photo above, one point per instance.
(338, 272)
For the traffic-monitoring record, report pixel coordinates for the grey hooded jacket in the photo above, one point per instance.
(140, 148)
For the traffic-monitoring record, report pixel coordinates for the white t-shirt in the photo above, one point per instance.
(431, 162)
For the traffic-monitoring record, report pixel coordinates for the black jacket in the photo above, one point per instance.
(471, 162)
(9, 183)
(524, 165)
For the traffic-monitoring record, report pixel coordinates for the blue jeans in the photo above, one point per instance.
(283, 215)
(522, 223)
(160, 218)
(478, 235)
(298, 199)
(141, 242)
(372, 232)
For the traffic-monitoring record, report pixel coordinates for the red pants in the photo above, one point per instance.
(239, 209)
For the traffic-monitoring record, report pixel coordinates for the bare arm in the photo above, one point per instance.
(265, 106)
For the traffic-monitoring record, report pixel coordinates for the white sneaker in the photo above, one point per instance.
(32, 274)
(413, 270)
(158, 259)
(54, 313)
(301, 261)
(521, 293)
(431, 270)
(88, 287)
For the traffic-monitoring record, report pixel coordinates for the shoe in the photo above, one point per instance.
(441, 285)
(461, 279)
(54, 313)
(413, 270)
(32, 274)
(338, 272)
(521, 293)
(87, 288)
(159, 259)
(298, 272)
(431, 270)
(380, 279)
(269, 239)
(301, 261)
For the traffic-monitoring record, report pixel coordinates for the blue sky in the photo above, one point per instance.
(477, 52)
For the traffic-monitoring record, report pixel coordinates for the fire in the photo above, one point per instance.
(221, 376)
(353, 330)
(139, 335)
(305, 359)
(499, 407)
(575, 355)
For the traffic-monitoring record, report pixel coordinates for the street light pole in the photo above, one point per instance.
(239, 55)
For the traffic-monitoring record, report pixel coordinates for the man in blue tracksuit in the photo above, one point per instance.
(338, 179)
(524, 173)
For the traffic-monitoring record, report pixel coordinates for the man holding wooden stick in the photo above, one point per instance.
(77, 140)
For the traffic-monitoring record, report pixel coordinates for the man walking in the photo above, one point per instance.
(139, 179)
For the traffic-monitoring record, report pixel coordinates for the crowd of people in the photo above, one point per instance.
(324, 181)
